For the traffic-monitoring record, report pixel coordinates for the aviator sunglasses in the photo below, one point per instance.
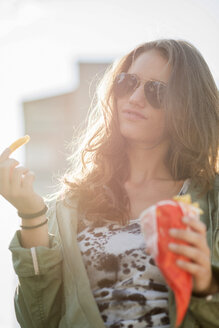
(125, 84)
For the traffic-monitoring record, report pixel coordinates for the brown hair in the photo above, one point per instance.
(99, 167)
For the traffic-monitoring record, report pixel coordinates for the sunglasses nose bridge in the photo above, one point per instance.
(138, 96)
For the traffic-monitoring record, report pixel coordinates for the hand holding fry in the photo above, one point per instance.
(16, 182)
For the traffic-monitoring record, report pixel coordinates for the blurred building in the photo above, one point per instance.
(51, 123)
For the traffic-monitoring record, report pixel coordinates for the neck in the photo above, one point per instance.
(147, 164)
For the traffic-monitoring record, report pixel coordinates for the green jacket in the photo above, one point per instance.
(54, 289)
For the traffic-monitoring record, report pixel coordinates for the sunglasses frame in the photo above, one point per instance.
(155, 103)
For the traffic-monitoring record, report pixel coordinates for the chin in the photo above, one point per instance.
(136, 134)
(136, 137)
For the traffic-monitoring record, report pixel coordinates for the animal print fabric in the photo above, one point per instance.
(128, 287)
(126, 284)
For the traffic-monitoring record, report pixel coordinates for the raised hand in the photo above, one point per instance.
(16, 183)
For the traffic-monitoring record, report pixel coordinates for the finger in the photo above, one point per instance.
(16, 177)
(196, 225)
(193, 268)
(8, 164)
(192, 253)
(5, 173)
(147, 251)
(191, 237)
(27, 180)
(5, 154)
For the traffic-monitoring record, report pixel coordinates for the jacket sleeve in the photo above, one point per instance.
(205, 310)
(38, 297)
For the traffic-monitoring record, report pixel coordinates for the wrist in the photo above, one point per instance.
(36, 226)
(213, 288)
(34, 221)
(28, 226)
(33, 215)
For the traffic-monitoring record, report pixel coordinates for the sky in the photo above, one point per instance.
(41, 42)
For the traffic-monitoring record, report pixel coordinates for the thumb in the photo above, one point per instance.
(147, 251)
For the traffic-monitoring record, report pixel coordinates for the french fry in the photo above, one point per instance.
(19, 142)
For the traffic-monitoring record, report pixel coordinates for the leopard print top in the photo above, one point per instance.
(128, 287)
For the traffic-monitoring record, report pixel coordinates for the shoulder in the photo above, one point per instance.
(61, 211)
(215, 198)
(214, 194)
(60, 204)
(216, 183)
(213, 204)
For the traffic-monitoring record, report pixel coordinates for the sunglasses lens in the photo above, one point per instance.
(154, 92)
(124, 84)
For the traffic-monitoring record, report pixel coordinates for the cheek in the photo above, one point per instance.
(155, 127)
(158, 118)
(119, 104)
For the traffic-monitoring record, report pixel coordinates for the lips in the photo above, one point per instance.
(134, 113)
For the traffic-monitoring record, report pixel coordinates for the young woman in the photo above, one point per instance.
(153, 134)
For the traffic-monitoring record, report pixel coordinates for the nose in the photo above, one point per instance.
(137, 97)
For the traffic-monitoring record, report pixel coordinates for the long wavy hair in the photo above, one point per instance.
(99, 164)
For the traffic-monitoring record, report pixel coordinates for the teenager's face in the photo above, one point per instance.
(149, 127)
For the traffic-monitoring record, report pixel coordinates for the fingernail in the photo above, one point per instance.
(180, 262)
(172, 232)
(172, 246)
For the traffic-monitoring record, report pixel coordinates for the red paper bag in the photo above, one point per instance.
(156, 221)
